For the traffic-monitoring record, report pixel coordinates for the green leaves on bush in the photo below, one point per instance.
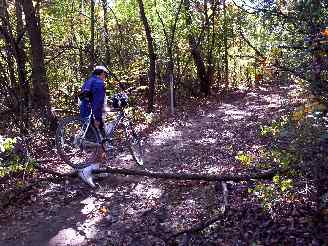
(275, 128)
(7, 145)
(11, 162)
(244, 158)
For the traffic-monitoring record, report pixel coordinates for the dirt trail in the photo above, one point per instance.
(143, 211)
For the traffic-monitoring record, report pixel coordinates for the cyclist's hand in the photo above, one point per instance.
(97, 123)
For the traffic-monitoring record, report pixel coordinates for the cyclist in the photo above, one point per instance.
(93, 95)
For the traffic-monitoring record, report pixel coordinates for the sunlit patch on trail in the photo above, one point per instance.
(206, 141)
(211, 115)
(216, 169)
(237, 114)
(142, 190)
(166, 134)
(68, 236)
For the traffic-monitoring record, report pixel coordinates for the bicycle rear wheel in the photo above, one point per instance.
(134, 143)
(76, 144)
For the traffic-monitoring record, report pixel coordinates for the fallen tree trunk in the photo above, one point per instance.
(237, 177)
(191, 176)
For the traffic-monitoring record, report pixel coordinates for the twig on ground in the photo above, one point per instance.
(196, 228)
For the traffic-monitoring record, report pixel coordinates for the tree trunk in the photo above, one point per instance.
(225, 42)
(107, 51)
(197, 56)
(92, 40)
(21, 67)
(169, 37)
(152, 57)
(40, 92)
(11, 54)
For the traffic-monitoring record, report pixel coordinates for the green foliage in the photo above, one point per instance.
(271, 194)
(283, 183)
(301, 133)
(275, 128)
(244, 158)
(11, 162)
(7, 145)
(16, 166)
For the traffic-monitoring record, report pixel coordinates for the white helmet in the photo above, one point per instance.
(103, 68)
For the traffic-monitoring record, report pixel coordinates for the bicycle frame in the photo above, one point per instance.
(116, 122)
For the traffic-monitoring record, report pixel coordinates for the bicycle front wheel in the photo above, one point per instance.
(134, 143)
(77, 144)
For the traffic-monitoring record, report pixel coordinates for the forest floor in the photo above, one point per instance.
(129, 210)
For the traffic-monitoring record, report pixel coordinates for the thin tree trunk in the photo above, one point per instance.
(107, 51)
(169, 46)
(92, 40)
(196, 54)
(10, 51)
(152, 57)
(225, 42)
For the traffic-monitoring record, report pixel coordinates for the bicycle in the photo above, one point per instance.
(79, 142)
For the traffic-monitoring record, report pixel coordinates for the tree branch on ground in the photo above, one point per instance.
(189, 176)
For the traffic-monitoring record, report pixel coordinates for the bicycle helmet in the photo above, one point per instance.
(102, 69)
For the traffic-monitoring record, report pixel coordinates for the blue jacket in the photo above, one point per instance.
(96, 86)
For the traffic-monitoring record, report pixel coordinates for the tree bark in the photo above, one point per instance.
(169, 38)
(106, 39)
(197, 56)
(92, 40)
(225, 42)
(40, 92)
(21, 66)
(151, 55)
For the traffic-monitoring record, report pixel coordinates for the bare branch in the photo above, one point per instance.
(190, 176)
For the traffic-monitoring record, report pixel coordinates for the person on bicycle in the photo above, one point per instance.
(93, 95)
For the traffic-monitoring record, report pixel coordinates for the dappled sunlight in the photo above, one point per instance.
(51, 188)
(237, 114)
(67, 236)
(211, 115)
(90, 205)
(214, 169)
(166, 134)
(206, 141)
(146, 191)
(218, 168)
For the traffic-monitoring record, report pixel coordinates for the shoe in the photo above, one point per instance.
(86, 174)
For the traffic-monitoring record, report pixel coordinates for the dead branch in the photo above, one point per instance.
(190, 176)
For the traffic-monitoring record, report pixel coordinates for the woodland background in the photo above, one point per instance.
(192, 49)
